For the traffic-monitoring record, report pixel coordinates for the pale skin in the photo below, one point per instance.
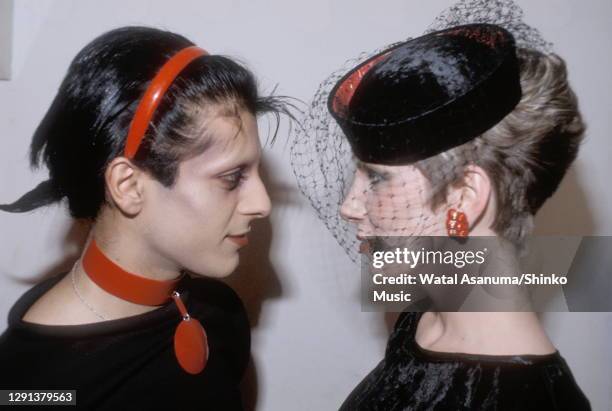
(482, 333)
(156, 231)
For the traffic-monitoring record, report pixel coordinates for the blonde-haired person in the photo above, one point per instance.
(455, 133)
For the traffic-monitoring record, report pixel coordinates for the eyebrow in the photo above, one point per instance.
(238, 159)
(366, 167)
(207, 138)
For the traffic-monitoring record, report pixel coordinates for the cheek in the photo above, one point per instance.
(193, 214)
(399, 207)
(188, 226)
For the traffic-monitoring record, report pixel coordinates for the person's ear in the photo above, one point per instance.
(125, 186)
(472, 194)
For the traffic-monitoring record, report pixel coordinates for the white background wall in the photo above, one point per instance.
(6, 38)
(311, 343)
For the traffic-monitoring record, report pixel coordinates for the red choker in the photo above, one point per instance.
(190, 342)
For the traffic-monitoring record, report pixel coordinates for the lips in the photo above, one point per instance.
(240, 240)
(364, 245)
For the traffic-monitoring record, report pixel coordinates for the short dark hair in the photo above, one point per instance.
(88, 121)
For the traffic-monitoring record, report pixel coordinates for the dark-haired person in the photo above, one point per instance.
(456, 133)
(155, 142)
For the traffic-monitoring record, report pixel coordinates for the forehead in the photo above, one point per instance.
(226, 138)
(408, 170)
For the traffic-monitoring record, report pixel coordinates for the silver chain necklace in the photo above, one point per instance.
(78, 294)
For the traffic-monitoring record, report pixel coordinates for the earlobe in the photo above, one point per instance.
(475, 193)
(124, 186)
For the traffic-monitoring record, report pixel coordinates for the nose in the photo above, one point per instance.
(353, 208)
(256, 201)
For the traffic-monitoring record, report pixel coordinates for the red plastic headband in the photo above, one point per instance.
(154, 93)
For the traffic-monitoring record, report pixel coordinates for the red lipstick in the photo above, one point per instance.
(364, 244)
(240, 240)
(364, 247)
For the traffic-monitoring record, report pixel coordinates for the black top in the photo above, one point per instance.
(413, 378)
(129, 363)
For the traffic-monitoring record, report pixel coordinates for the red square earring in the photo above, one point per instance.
(457, 223)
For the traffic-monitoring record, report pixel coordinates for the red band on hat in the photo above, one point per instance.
(345, 92)
(154, 93)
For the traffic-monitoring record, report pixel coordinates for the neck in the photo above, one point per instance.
(472, 325)
(489, 333)
(121, 240)
(501, 259)
(512, 332)
(130, 254)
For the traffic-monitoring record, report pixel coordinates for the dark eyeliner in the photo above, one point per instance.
(233, 179)
(374, 176)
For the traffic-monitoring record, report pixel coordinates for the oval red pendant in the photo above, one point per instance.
(191, 346)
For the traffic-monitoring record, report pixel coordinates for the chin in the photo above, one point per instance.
(219, 268)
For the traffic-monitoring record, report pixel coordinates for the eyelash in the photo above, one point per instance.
(234, 179)
(375, 177)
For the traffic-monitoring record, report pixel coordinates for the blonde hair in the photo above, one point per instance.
(527, 154)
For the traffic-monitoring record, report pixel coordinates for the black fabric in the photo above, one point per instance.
(130, 363)
(411, 378)
(429, 94)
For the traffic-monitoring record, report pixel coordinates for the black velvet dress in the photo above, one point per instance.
(415, 379)
(129, 363)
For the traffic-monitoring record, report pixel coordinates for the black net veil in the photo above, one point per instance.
(505, 13)
(356, 200)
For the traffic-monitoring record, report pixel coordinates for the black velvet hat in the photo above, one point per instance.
(428, 94)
